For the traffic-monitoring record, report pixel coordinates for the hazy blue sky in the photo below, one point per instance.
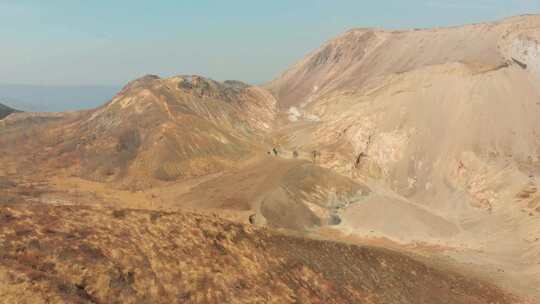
(113, 41)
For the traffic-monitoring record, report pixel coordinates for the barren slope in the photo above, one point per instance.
(442, 124)
(282, 193)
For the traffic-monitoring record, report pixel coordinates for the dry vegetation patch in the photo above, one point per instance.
(74, 254)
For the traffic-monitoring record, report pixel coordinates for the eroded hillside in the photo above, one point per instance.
(445, 119)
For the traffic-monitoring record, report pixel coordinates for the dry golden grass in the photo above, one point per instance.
(76, 254)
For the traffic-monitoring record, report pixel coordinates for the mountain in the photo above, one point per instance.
(425, 141)
(446, 119)
(5, 111)
(162, 130)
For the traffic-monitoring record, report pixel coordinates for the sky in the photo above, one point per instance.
(110, 42)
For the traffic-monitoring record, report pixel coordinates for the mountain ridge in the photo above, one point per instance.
(422, 138)
(446, 119)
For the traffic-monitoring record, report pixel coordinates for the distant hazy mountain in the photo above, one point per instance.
(55, 98)
(5, 111)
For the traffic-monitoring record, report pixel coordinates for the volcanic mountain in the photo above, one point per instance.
(447, 119)
(382, 99)
(163, 129)
(426, 139)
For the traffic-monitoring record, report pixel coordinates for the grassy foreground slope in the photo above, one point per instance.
(75, 254)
